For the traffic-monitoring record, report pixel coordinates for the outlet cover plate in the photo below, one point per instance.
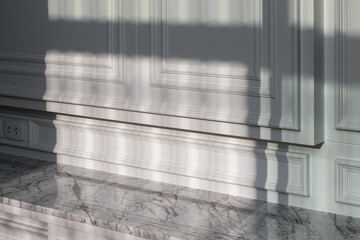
(14, 129)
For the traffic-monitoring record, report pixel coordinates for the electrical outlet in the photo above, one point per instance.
(14, 129)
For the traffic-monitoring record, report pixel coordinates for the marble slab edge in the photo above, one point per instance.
(113, 226)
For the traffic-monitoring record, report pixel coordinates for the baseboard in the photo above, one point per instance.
(171, 152)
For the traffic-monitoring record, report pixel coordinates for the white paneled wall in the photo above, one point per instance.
(244, 65)
(249, 97)
(342, 142)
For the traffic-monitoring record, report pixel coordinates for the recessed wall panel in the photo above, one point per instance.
(347, 63)
(65, 39)
(216, 46)
(235, 60)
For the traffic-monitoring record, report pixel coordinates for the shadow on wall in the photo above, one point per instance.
(201, 55)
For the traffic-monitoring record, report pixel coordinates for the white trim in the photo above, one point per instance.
(192, 155)
(344, 168)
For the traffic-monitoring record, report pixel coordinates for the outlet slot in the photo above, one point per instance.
(14, 129)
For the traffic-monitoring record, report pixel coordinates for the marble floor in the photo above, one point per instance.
(156, 210)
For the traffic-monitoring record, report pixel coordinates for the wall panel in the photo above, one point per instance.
(348, 50)
(243, 63)
(74, 51)
(229, 53)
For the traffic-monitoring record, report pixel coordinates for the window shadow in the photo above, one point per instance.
(77, 54)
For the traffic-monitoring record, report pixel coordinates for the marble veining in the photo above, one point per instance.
(156, 210)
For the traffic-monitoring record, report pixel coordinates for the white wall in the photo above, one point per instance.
(297, 60)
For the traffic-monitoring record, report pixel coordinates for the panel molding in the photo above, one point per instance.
(251, 87)
(109, 68)
(343, 119)
(237, 81)
(345, 167)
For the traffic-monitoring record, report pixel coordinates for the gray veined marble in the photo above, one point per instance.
(155, 210)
